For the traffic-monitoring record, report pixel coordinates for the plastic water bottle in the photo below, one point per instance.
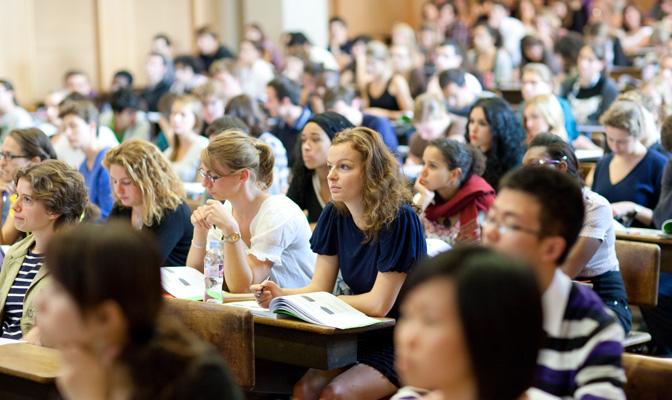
(213, 269)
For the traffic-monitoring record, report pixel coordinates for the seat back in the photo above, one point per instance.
(648, 377)
(640, 267)
(230, 330)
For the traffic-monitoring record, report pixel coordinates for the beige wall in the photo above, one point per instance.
(42, 39)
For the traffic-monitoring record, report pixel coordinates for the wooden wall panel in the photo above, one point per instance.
(17, 47)
(376, 17)
(65, 38)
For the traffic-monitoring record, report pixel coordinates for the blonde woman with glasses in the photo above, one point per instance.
(148, 194)
(263, 236)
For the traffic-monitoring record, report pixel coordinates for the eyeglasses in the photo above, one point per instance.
(504, 228)
(212, 178)
(5, 155)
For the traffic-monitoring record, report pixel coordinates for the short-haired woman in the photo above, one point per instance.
(50, 196)
(20, 148)
(149, 195)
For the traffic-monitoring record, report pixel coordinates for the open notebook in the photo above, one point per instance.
(189, 284)
(320, 308)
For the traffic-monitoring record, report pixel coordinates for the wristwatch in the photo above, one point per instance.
(232, 238)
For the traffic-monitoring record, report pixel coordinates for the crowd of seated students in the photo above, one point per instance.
(329, 170)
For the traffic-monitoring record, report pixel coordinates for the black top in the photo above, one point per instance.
(174, 232)
(208, 59)
(385, 100)
(152, 95)
(301, 191)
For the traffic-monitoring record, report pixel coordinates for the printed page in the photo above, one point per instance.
(254, 308)
(183, 282)
(322, 308)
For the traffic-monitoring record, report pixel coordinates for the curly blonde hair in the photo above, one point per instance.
(148, 169)
(385, 189)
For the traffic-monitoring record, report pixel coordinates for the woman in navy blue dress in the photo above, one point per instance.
(631, 176)
(369, 233)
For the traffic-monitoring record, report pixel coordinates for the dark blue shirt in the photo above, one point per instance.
(382, 126)
(289, 134)
(642, 185)
(98, 182)
(397, 248)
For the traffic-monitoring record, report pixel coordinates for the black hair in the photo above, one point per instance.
(194, 63)
(126, 75)
(124, 99)
(559, 150)
(568, 47)
(225, 123)
(284, 87)
(297, 39)
(561, 208)
(460, 155)
(497, 297)
(454, 75)
(507, 148)
(331, 123)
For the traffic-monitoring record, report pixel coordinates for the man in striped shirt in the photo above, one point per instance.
(537, 216)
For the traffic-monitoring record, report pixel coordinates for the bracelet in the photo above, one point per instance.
(197, 246)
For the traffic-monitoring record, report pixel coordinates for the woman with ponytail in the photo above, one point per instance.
(263, 236)
(451, 193)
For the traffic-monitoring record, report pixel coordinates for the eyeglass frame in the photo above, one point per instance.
(213, 178)
(5, 155)
(503, 228)
(541, 162)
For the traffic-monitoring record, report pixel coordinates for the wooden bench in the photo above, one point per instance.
(640, 268)
(648, 377)
(229, 329)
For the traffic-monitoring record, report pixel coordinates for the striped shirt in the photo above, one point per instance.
(13, 311)
(581, 357)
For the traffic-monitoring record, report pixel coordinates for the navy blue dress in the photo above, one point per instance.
(642, 185)
(397, 248)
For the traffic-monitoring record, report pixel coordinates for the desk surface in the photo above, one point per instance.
(645, 235)
(297, 325)
(34, 363)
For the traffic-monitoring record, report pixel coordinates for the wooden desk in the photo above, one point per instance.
(651, 236)
(307, 345)
(285, 349)
(27, 371)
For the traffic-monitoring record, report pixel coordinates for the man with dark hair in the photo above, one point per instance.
(209, 48)
(282, 103)
(342, 100)
(77, 81)
(457, 93)
(122, 79)
(126, 120)
(188, 74)
(537, 216)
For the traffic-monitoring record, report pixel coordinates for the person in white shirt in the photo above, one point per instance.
(263, 236)
(254, 72)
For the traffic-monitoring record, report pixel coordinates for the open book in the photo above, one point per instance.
(189, 284)
(320, 308)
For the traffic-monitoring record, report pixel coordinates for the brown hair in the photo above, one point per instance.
(34, 143)
(238, 151)
(384, 190)
(149, 169)
(247, 110)
(82, 108)
(59, 187)
(627, 115)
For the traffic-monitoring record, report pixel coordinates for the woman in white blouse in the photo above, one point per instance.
(186, 143)
(263, 236)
